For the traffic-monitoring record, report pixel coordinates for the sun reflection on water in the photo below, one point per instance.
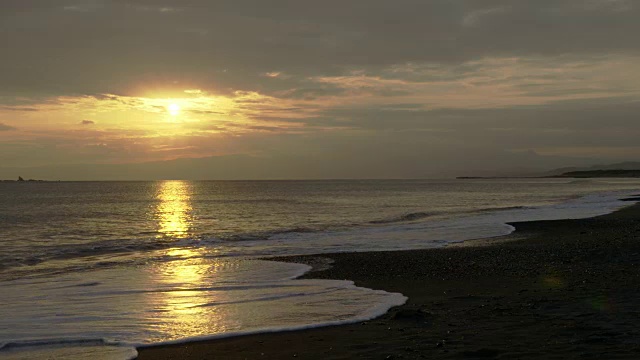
(174, 210)
(186, 303)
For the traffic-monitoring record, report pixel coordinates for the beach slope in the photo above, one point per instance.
(559, 289)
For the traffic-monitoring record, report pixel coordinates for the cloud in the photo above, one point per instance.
(474, 17)
(273, 74)
(300, 40)
(323, 79)
(4, 127)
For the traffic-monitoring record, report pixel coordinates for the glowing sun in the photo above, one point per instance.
(174, 109)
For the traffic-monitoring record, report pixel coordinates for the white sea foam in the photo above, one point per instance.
(430, 232)
(174, 301)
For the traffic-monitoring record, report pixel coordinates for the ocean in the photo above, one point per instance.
(95, 269)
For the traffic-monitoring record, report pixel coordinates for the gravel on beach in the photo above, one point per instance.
(553, 289)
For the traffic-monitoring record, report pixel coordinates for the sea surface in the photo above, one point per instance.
(94, 269)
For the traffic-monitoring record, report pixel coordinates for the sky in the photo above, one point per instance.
(254, 89)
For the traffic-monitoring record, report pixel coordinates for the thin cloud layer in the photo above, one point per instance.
(4, 127)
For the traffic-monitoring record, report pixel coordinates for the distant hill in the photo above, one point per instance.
(617, 173)
(623, 166)
(622, 169)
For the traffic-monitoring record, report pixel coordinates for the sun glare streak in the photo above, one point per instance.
(173, 211)
(184, 303)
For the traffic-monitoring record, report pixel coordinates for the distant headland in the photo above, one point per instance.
(20, 179)
(615, 173)
(620, 173)
(627, 169)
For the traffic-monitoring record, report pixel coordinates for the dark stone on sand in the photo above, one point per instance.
(481, 353)
(404, 314)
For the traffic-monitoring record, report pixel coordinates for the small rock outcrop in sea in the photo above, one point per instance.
(20, 178)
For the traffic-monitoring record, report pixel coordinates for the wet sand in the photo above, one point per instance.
(559, 289)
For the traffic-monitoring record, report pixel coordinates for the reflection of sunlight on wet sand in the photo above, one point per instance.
(173, 211)
(186, 305)
(189, 302)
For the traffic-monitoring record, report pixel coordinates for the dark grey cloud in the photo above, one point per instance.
(307, 93)
(18, 108)
(567, 124)
(206, 112)
(592, 114)
(119, 46)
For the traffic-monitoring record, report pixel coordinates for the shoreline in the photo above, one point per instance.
(568, 290)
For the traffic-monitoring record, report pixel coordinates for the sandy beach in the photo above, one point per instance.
(560, 289)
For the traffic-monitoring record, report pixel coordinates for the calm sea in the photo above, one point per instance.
(91, 269)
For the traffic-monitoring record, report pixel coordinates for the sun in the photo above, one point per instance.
(174, 109)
